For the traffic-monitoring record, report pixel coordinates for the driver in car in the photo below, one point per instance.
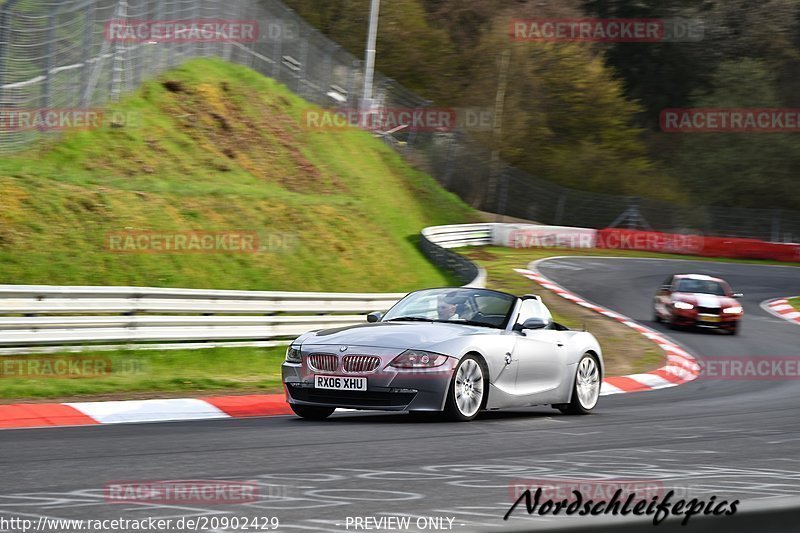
(447, 308)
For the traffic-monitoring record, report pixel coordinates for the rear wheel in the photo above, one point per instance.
(312, 412)
(467, 390)
(586, 388)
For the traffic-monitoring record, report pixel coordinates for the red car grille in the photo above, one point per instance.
(361, 363)
(323, 361)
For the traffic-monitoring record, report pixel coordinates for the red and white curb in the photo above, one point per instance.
(781, 308)
(129, 411)
(680, 367)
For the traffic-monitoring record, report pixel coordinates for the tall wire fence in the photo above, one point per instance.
(59, 54)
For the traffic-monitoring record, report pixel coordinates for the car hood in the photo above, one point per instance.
(400, 335)
(704, 300)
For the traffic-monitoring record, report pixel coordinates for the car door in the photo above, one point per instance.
(541, 362)
(540, 355)
(505, 376)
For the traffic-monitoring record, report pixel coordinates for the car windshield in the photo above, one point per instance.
(701, 286)
(477, 307)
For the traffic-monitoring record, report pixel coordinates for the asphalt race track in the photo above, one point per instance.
(729, 439)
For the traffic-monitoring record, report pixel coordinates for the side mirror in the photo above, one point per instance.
(534, 323)
(738, 295)
(374, 316)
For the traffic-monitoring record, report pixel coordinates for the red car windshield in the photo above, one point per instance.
(701, 286)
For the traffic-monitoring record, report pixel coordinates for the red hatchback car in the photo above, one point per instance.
(698, 300)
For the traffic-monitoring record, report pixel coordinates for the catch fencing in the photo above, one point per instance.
(58, 55)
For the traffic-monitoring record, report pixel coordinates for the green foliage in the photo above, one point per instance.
(571, 111)
(218, 147)
(566, 117)
(741, 169)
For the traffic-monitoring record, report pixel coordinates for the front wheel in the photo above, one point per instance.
(656, 317)
(467, 390)
(586, 388)
(312, 412)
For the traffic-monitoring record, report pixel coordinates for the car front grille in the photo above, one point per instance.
(708, 310)
(360, 364)
(324, 362)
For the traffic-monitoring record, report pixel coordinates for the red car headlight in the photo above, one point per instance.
(418, 359)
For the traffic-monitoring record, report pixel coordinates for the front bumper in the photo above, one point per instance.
(388, 388)
(690, 317)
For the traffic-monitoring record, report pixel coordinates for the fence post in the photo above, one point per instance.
(776, 225)
(4, 44)
(302, 76)
(277, 51)
(48, 60)
(114, 80)
(502, 193)
(172, 46)
(327, 70)
(562, 200)
(448, 167)
(87, 53)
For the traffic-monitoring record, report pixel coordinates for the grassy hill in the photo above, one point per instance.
(217, 147)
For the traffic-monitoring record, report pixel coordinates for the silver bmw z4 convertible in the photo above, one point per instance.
(456, 351)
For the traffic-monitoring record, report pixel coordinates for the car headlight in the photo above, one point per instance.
(293, 354)
(683, 305)
(418, 359)
(735, 310)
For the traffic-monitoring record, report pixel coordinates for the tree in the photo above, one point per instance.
(741, 169)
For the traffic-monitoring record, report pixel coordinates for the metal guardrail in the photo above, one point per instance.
(436, 242)
(61, 316)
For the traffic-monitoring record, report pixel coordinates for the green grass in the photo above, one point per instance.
(124, 374)
(795, 302)
(220, 148)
